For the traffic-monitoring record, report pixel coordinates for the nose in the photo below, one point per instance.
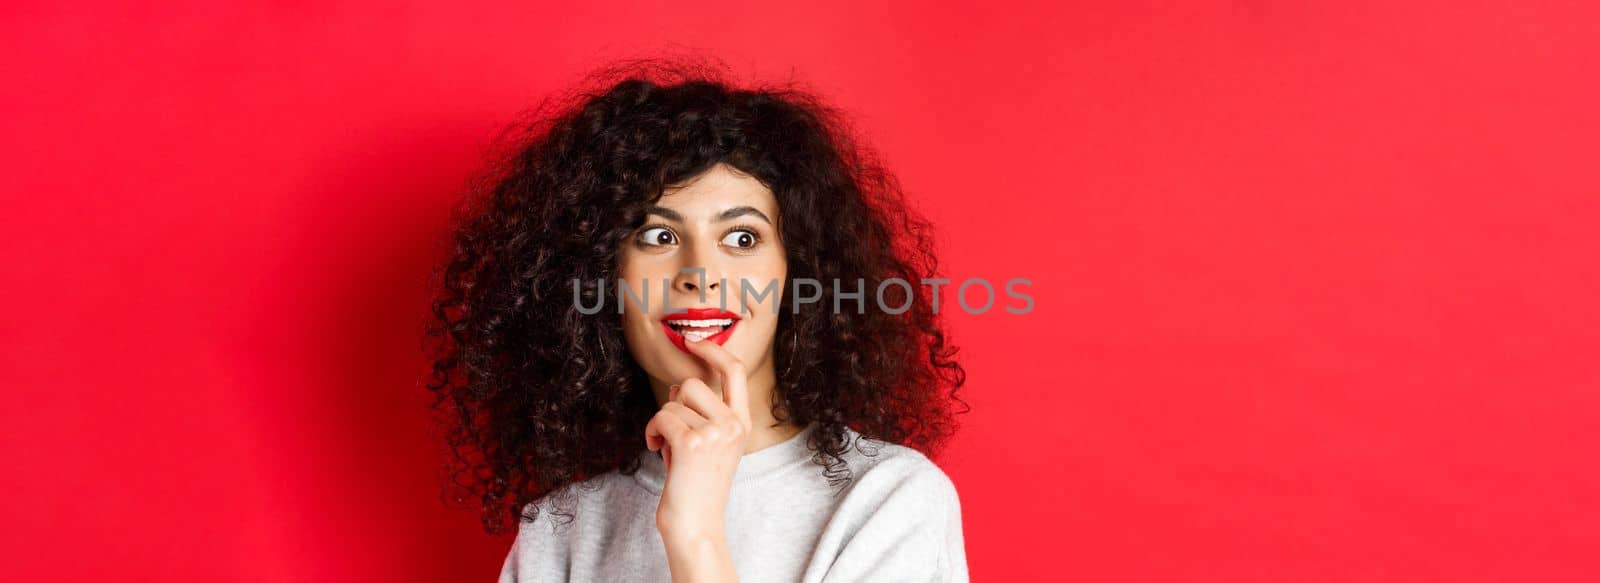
(691, 283)
(701, 270)
(691, 279)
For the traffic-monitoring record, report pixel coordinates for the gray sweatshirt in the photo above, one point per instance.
(898, 520)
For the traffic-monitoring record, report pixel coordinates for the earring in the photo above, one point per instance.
(795, 334)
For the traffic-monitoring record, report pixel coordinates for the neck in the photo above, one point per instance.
(765, 429)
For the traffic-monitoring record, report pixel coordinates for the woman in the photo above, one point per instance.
(668, 348)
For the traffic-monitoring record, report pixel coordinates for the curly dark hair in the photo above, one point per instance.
(534, 396)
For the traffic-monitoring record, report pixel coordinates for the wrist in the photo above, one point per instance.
(699, 554)
(690, 531)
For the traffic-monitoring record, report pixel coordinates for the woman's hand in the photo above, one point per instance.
(701, 438)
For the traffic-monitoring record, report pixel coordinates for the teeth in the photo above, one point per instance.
(697, 336)
(701, 323)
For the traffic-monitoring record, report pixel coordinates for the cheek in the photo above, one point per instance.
(776, 272)
(633, 318)
(758, 290)
(637, 332)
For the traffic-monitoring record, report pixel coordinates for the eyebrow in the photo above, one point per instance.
(665, 212)
(740, 211)
(729, 214)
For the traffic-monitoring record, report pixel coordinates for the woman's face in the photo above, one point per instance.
(716, 235)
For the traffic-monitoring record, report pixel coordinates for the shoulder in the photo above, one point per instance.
(573, 516)
(887, 470)
(595, 499)
(900, 518)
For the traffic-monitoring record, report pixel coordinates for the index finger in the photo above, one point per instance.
(734, 390)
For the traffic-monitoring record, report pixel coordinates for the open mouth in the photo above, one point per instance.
(699, 324)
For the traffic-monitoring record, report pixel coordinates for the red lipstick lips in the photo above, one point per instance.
(711, 324)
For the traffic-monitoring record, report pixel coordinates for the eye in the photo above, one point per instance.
(655, 236)
(741, 238)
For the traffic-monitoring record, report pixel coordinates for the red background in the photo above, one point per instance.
(1315, 282)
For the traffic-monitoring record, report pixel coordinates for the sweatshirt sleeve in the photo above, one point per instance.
(508, 569)
(914, 534)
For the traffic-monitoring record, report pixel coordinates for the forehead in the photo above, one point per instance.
(717, 189)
